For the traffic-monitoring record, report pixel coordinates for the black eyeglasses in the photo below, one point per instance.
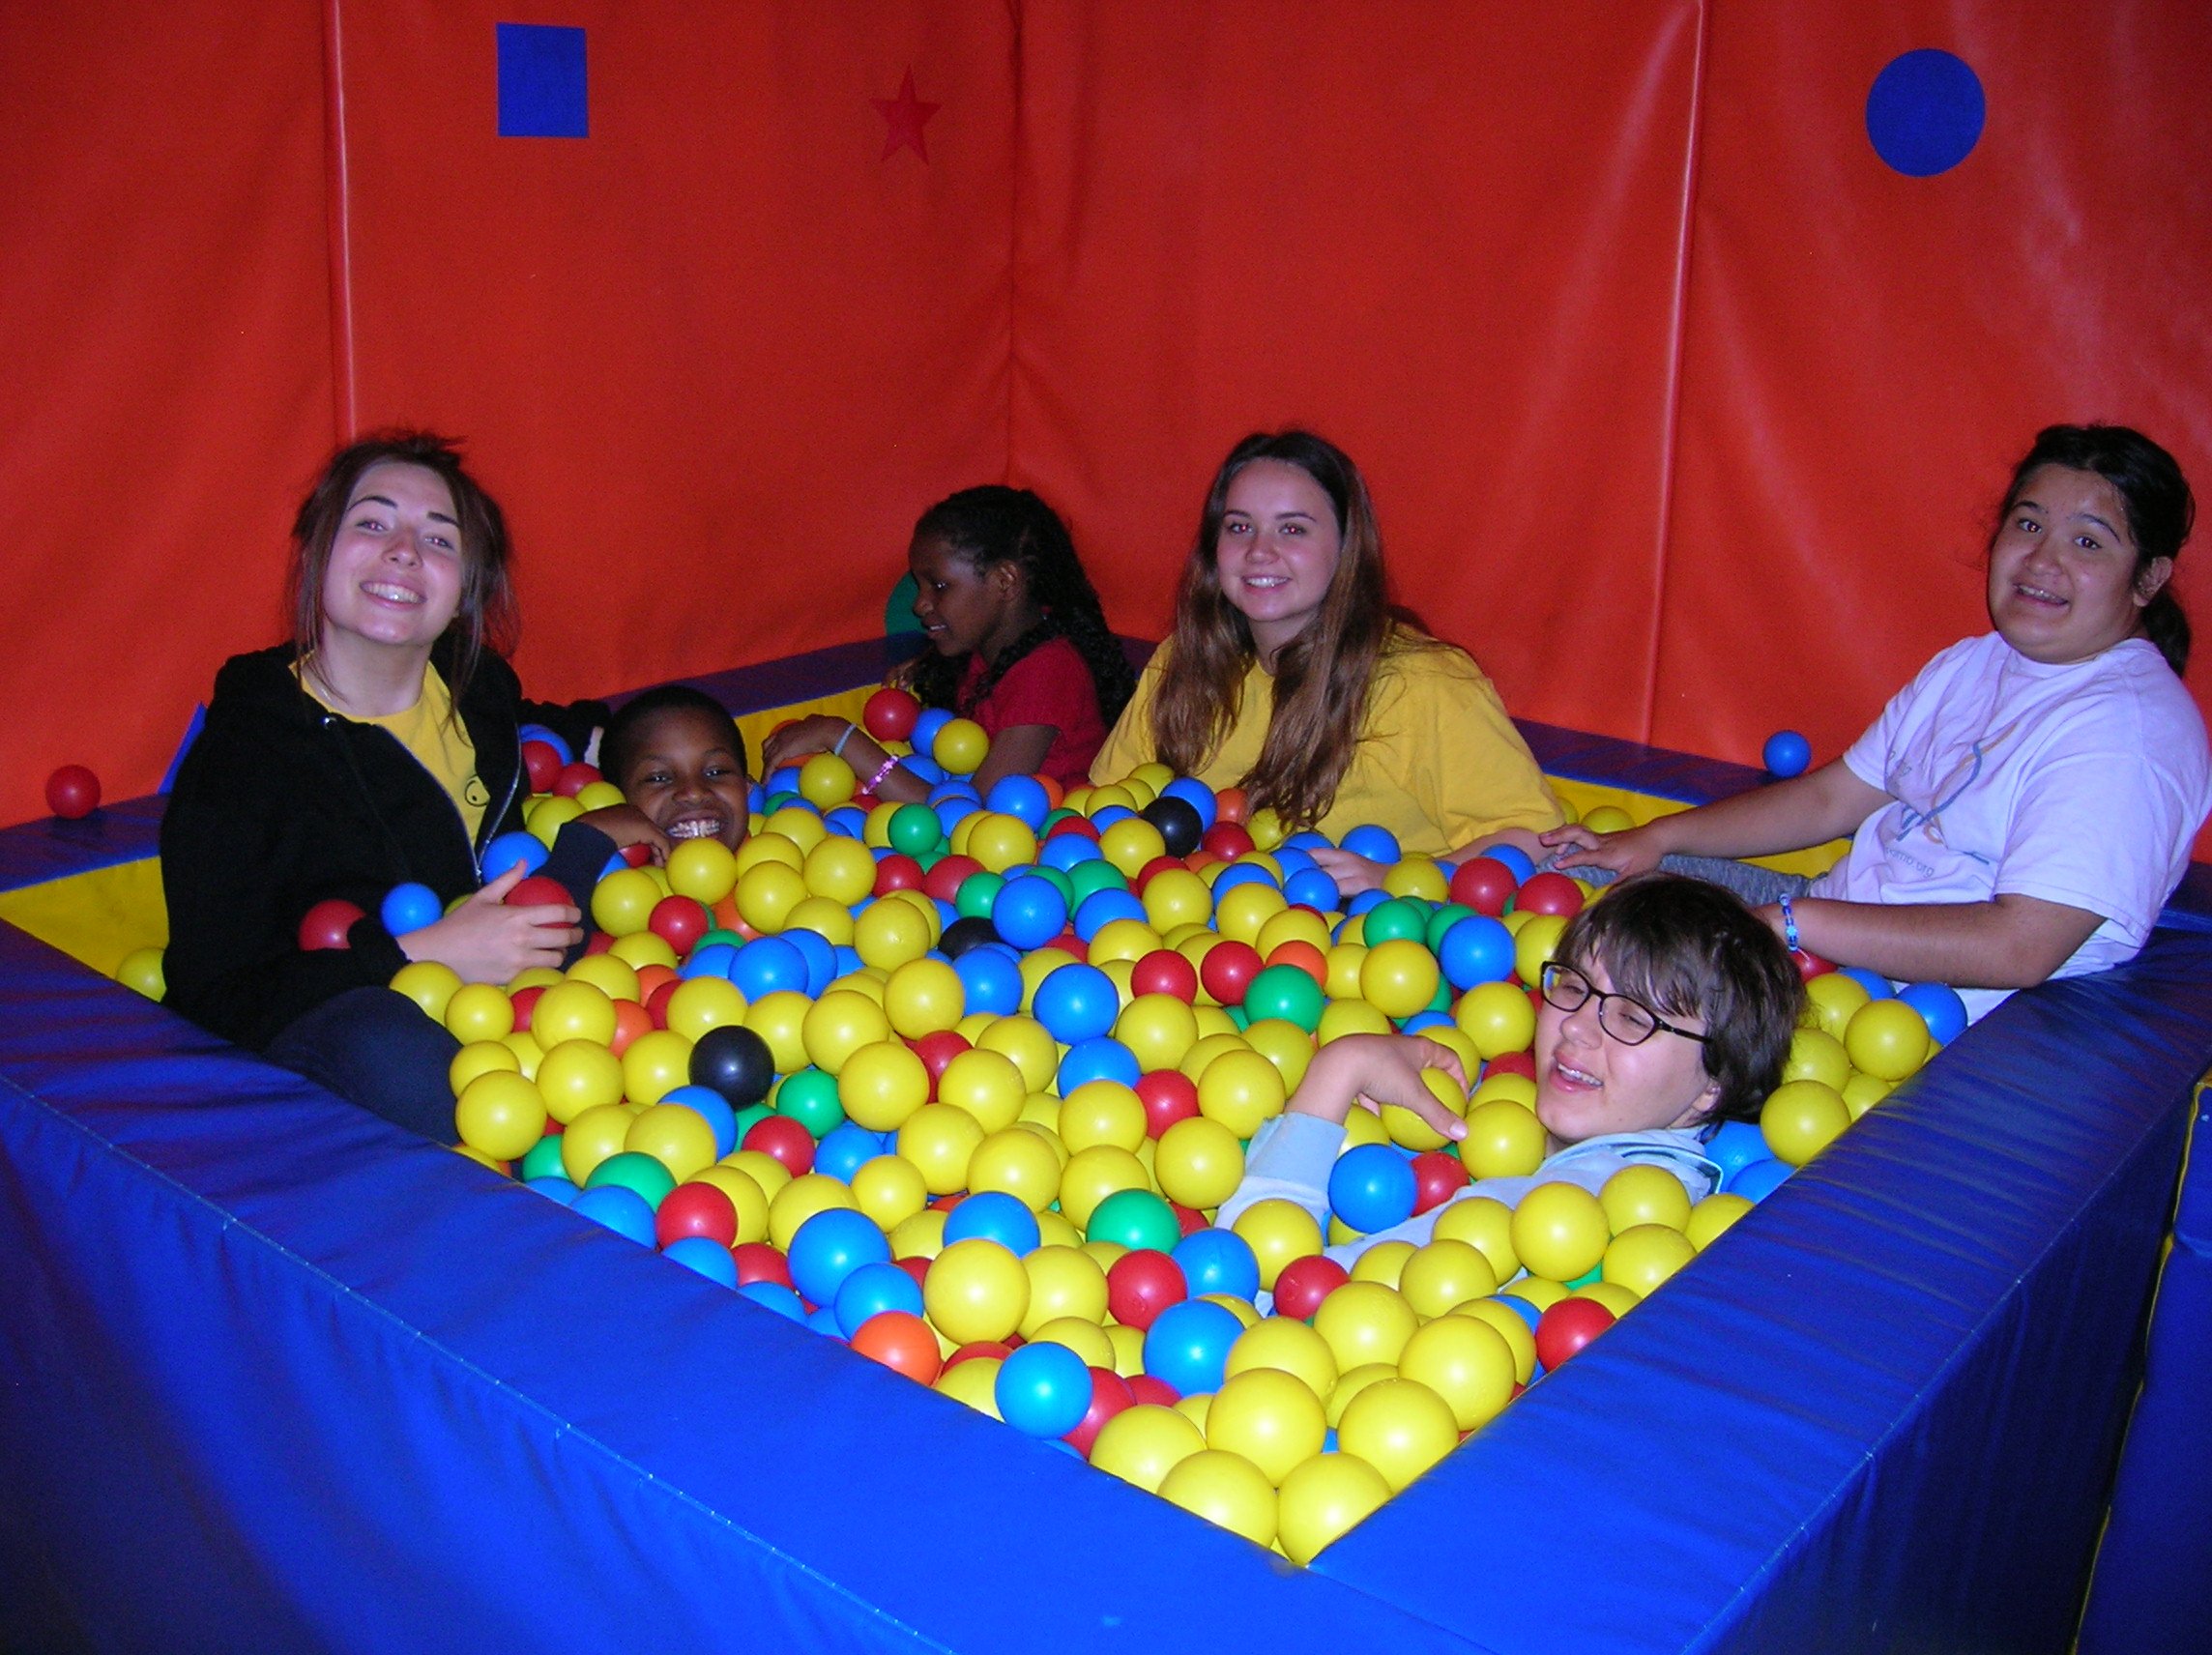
(1623, 1017)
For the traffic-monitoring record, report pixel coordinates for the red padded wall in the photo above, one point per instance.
(165, 371)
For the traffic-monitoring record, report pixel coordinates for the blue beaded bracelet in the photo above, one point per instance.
(1788, 925)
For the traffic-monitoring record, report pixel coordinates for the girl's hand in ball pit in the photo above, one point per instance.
(1375, 1069)
(485, 941)
(817, 733)
(1628, 851)
(626, 824)
(1352, 874)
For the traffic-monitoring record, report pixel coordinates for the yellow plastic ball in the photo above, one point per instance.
(1504, 1139)
(1087, 1338)
(1398, 1426)
(480, 1058)
(988, 1085)
(705, 870)
(839, 1023)
(1092, 1175)
(1159, 1029)
(1484, 1224)
(1294, 925)
(746, 1197)
(1559, 1231)
(802, 826)
(1535, 942)
(615, 978)
(527, 1051)
(479, 1011)
(1382, 1262)
(547, 814)
(1417, 876)
(1831, 999)
(1101, 1112)
(974, 1382)
(1642, 1256)
(624, 901)
(643, 948)
(1291, 1346)
(1278, 1233)
(430, 985)
(1497, 1017)
(890, 934)
(1176, 896)
(1142, 1444)
(655, 1064)
(1617, 1296)
(767, 893)
(1814, 1056)
(768, 1174)
(780, 1020)
(573, 1010)
(1365, 1321)
(142, 970)
(1644, 1195)
(1130, 843)
(938, 1140)
(889, 1189)
(961, 746)
(1520, 1088)
(1511, 1327)
(1242, 1090)
(826, 781)
(599, 796)
(1888, 1039)
(577, 1075)
(1284, 1044)
(1323, 1499)
(1445, 1274)
(802, 1197)
(763, 848)
(1803, 1117)
(1199, 1163)
(922, 1236)
(680, 1139)
(1016, 1162)
(1269, 1417)
(999, 841)
(1465, 1361)
(881, 1085)
(1064, 1282)
(1211, 1044)
(840, 869)
(1227, 1489)
(1241, 914)
(1862, 1091)
(591, 1138)
(975, 1290)
(500, 1115)
(1713, 1218)
(925, 997)
(1399, 977)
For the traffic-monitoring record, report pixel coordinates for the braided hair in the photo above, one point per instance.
(994, 525)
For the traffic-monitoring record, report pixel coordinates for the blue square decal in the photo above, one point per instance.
(541, 82)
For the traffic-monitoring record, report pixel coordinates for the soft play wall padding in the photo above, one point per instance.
(1684, 409)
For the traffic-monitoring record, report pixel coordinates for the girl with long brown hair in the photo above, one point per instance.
(1288, 674)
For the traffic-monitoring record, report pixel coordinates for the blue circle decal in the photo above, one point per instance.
(1924, 112)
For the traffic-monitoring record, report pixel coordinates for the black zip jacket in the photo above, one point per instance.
(281, 804)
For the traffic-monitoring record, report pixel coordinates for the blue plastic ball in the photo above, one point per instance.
(1065, 850)
(870, 1291)
(993, 1215)
(539, 733)
(784, 780)
(1102, 1058)
(1101, 908)
(776, 1297)
(616, 1207)
(706, 1256)
(1239, 873)
(992, 978)
(820, 956)
(1187, 1345)
(1044, 1389)
(1515, 859)
(1218, 1262)
(710, 961)
(1939, 1008)
(1736, 1145)
(1760, 1180)
(1106, 815)
(1310, 888)
(555, 1186)
(1020, 795)
(949, 811)
(1076, 1003)
(926, 725)
(1786, 754)
(1028, 912)
(512, 849)
(1874, 983)
(410, 907)
(1376, 844)
(767, 964)
(712, 1107)
(846, 1148)
(1478, 949)
(1372, 1187)
(1198, 795)
(831, 1246)
(925, 769)
(847, 822)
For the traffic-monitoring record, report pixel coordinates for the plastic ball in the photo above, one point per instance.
(634, 1170)
(479, 1011)
(141, 969)
(1785, 754)
(501, 1113)
(621, 1209)
(1371, 1187)
(1477, 949)
(327, 924)
(1143, 1283)
(1270, 1417)
(1802, 1117)
(1760, 1180)
(1399, 977)
(881, 1085)
(1497, 1017)
(901, 1341)
(1227, 1489)
(1076, 1003)
(1465, 1361)
(1028, 912)
(1142, 1443)
(977, 1290)
(1277, 1231)
(73, 791)
(1365, 1321)
(1443, 1274)
(1887, 1039)
(1178, 822)
(1565, 1328)
(1549, 893)
(1644, 1195)
(1504, 1140)
(1559, 1231)
(1134, 1218)
(1217, 1261)
(409, 907)
(890, 715)
(696, 1210)
(1484, 884)
(960, 745)
(996, 1217)
(1323, 1499)
(1199, 1162)
(1643, 1255)
(1304, 1284)
(1187, 1345)
(1400, 1427)
(829, 1246)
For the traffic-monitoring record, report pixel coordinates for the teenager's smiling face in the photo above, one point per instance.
(2063, 582)
(1589, 1083)
(394, 576)
(964, 609)
(1277, 551)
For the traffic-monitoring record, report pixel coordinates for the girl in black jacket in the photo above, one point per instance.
(380, 745)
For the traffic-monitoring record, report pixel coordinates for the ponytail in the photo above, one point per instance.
(2165, 624)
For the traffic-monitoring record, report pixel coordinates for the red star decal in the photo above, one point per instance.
(904, 116)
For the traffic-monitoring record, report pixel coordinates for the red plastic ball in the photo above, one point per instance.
(1143, 1283)
(1188, 1218)
(783, 1138)
(1159, 864)
(630, 1021)
(1810, 964)
(1081, 824)
(542, 760)
(598, 942)
(1549, 893)
(1073, 945)
(1522, 1064)
(1438, 1175)
(1163, 971)
(695, 1209)
(937, 1051)
(72, 792)
(1109, 1394)
(990, 1347)
(1483, 883)
(326, 924)
(890, 715)
(525, 1002)
(1152, 1388)
(1567, 1326)
(538, 890)
(899, 872)
(1169, 1096)
(758, 1261)
(636, 855)
(573, 778)
(679, 922)
(1229, 970)
(917, 1267)
(946, 876)
(902, 1342)
(1231, 805)
(1227, 839)
(1305, 1282)
(657, 1002)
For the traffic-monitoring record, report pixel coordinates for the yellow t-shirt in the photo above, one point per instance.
(437, 738)
(1439, 764)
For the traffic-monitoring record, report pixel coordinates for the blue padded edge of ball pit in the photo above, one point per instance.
(280, 1376)
(1883, 1410)
(2151, 1590)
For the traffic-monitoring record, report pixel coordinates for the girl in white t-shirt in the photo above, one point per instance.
(2025, 807)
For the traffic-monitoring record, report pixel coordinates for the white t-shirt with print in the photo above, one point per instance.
(2082, 784)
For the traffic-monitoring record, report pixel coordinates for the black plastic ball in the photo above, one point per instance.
(733, 1061)
(1178, 824)
(967, 933)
